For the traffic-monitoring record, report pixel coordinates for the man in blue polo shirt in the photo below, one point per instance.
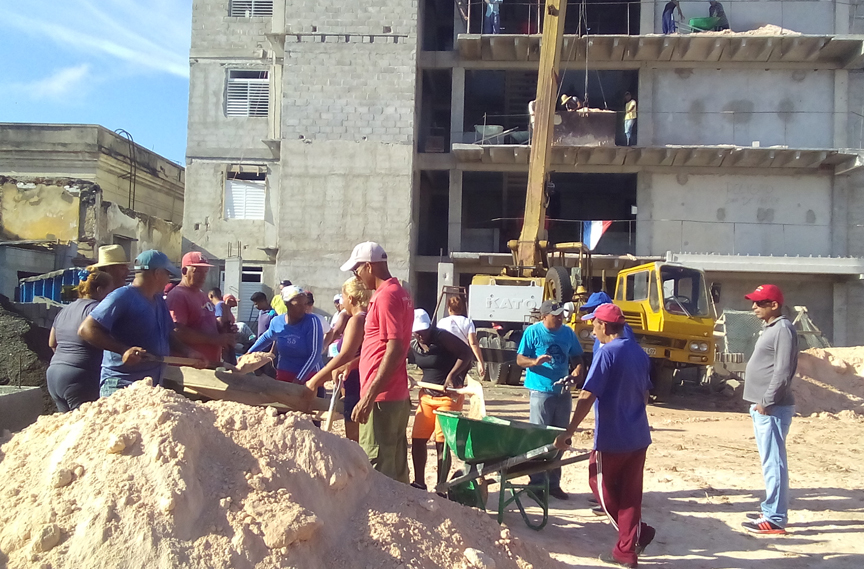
(617, 388)
(547, 350)
(133, 323)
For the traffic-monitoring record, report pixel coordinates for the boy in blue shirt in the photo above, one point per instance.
(547, 350)
(617, 387)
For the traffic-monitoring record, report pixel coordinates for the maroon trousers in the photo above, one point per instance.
(616, 480)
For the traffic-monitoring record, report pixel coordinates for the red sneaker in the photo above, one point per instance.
(764, 526)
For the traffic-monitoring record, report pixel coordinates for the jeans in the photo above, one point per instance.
(552, 410)
(492, 23)
(628, 129)
(771, 431)
(669, 26)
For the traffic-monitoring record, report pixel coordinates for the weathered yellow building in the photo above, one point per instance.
(66, 190)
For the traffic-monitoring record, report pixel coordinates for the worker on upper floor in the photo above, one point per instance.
(715, 10)
(492, 19)
(629, 116)
(670, 26)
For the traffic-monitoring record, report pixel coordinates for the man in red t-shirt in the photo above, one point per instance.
(194, 316)
(384, 401)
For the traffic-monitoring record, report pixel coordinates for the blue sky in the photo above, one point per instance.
(118, 63)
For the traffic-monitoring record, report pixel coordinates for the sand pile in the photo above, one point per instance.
(149, 479)
(830, 381)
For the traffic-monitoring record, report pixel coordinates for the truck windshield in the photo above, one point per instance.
(684, 291)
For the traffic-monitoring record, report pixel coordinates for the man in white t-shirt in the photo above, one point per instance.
(325, 322)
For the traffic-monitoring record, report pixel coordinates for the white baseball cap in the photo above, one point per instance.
(290, 292)
(368, 252)
(337, 298)
(421, 320)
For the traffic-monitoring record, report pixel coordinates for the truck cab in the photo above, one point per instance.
(670, 311)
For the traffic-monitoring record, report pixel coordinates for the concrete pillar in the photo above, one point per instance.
(841, 17)
(457, 104)
(840, 216)
(644, 212)
(646, 17)
(233, 278)
(454, 216)
(645, 107)
(841, 108)
(841, 310)
(446, 277)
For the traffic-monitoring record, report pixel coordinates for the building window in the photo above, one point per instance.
(251, 8)
(248, 93)
(245, 195)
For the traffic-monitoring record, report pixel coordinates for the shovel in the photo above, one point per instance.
(329, 422)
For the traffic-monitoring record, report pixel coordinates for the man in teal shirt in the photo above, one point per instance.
(547, 350)
(492, 21)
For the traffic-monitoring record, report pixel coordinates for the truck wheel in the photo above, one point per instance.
(496, 372)
(558, 280)
(663, 378)
(514, 373)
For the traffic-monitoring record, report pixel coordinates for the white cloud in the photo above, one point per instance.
(149, 34)
(62, 84)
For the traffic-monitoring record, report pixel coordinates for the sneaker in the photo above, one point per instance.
(558, 493)
(598, 511)
(610, 559)
(645, 539)
(764, 526)
(419, 486)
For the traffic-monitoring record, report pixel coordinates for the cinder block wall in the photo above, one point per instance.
(342, 172)
(348, 136)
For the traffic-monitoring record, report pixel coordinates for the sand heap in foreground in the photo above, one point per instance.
(148, 479)
(830, 381)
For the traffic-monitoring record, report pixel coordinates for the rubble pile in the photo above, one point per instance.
(149, 479)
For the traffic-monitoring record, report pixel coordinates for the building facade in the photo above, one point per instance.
(314, 126)
(66, 190)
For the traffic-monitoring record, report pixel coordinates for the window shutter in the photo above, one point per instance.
(245, 199)
(248, 93)
(251, 8)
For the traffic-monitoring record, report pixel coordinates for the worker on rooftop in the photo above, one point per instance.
(669, 24)
(715, 10)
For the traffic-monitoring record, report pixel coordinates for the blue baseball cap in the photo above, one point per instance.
(153, 259)
(595, 300)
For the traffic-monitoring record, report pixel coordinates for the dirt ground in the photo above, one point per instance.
(702, 475)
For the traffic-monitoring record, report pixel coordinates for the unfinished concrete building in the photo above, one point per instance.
(314, 126)
(66, 190)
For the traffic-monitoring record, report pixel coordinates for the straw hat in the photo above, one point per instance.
(109, 255)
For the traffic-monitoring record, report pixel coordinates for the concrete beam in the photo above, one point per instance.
(838, 266)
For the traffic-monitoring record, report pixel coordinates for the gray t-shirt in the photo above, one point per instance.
(71, 349)
(768, 378)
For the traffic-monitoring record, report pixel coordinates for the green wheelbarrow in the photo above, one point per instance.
(503, 450)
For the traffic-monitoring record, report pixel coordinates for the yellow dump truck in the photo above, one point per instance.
(671, 313)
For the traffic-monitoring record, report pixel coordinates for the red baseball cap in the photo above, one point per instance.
(607, 313)
(194, 259)
(766, 292)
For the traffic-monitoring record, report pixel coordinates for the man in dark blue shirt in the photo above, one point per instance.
(617, 388)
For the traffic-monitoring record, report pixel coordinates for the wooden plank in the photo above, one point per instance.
(245, 388)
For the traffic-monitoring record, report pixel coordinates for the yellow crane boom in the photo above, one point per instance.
(528, 254)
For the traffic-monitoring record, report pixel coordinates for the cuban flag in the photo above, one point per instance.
(593, 231)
